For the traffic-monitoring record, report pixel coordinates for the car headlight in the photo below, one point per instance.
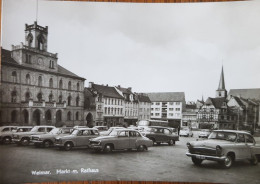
(218, 150)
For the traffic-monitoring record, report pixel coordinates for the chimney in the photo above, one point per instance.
(90, 84)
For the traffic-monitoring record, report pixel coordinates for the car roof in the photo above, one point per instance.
(25, 127)
(159, 127)
(48, 126)
(85, 129)
(234, 131)
(126, 129)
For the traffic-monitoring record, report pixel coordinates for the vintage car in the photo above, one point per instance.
(121, 139)
(160, 135)
(110, 130)
(47, 140)
(24, 138)
(101, 128)
(6, 136)
(186, 132)
(78, 138)
(225, 147)
(204, 133)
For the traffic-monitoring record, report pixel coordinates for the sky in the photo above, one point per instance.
(177, 47)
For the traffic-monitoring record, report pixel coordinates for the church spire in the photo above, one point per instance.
(221, 91)
(221, 85)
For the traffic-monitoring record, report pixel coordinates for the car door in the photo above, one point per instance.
(80, 138)
(122, 141)
(250, 142)
(167, 135)
(241, 147)
(133, 139)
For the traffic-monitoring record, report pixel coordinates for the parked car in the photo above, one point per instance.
(6, 136)
(160, 135)
(48, 139)
(204, 133)
(101, 128)
(24, 138)
(110, 130)
(121, 139)
(78, 138)
(225, 147)
(186, 132)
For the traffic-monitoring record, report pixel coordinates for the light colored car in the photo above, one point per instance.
(47, 140)
(225, 147)
(6, 134)
(78, 138)
(186, 132)
(24, 138)
(204, 133)
(121, 139)
(110, 130)
(101, 128)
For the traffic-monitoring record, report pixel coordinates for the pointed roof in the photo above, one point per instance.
(221, 85)
(107, 91)
(216, 102)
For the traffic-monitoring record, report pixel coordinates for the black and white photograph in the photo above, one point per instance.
(110, 91)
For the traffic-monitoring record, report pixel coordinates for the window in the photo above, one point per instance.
(14, 116)
(41, 129)
(51, 65)
(170, 114)
(157, 103)
(69, 101)
(69, 85)
(170, 109)
(49, 129)
(39, 97)
(51, 83)
(77, 101)
(50, 97)
(77, 115)
(69, 116)
(60, 84)
(14, 76)
(60, 99)
(241, 138)
(99, 107)
(13, 96)
(123, 134)
(40, 81)
(170, 103)
(30, 39)
(28, 79)
(157, 114)
(28, 59)
(78, 86)
(105, 110)
(40, 42)
(167, 132)
(27, 96)
(249, 139)
(177, 109)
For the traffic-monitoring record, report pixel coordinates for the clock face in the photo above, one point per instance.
(39, 61)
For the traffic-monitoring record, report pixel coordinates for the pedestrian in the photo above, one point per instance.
(179, 130)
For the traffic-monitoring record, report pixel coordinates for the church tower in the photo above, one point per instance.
(221, 92)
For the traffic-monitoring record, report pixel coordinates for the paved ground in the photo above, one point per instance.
(160, 163)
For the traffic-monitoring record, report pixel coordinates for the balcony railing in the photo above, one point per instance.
(31, 103)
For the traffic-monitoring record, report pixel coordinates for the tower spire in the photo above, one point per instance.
(221, 85)
(36, 10)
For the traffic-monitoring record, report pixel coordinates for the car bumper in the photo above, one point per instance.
(36, 141)
(16, 140)
(206, 157)
(58, 144)
(96, 147)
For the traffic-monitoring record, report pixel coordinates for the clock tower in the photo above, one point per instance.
(34, 52)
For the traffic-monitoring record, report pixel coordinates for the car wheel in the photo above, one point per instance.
(108, 148)
(254, 160)
(171, 142)
(196, 161)
(141, 148)
(7, 140)
(68, 146)
(227, 163)
(25, 141)
(47, 144)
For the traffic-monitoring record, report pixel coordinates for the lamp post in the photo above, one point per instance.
(238, 112)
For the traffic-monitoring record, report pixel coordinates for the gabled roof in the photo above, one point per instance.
(167, 97)
(240, 103)
(216, 102)
(107, 91)
(6, 58)
(124, 90)
(253, 93)
(143, 98)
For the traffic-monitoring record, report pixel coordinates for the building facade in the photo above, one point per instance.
(144, 106)
(35, 89)
(167, 106)
(189, 116)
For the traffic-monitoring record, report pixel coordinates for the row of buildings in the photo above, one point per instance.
(36, 90)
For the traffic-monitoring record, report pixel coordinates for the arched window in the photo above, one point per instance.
(13, 116)
(77, 115)
(27, 96)
(69, 100)
(69, 116)
(39, 97)
(60, 99)
(51, 83)
(40, 81)
(28, 79)
(51, 65)
(69, 85)
(40, 42)
(14, 76)
(50, 97)
(77, 101)
(13, 96)
(77, 86)
(61, 84)
(48, 115)
(30, 39)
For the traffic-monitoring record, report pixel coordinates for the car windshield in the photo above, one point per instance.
(205, 130)
(35, 129)
(75, 132)
(55, 131)
(228, 136)
(113, 133)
